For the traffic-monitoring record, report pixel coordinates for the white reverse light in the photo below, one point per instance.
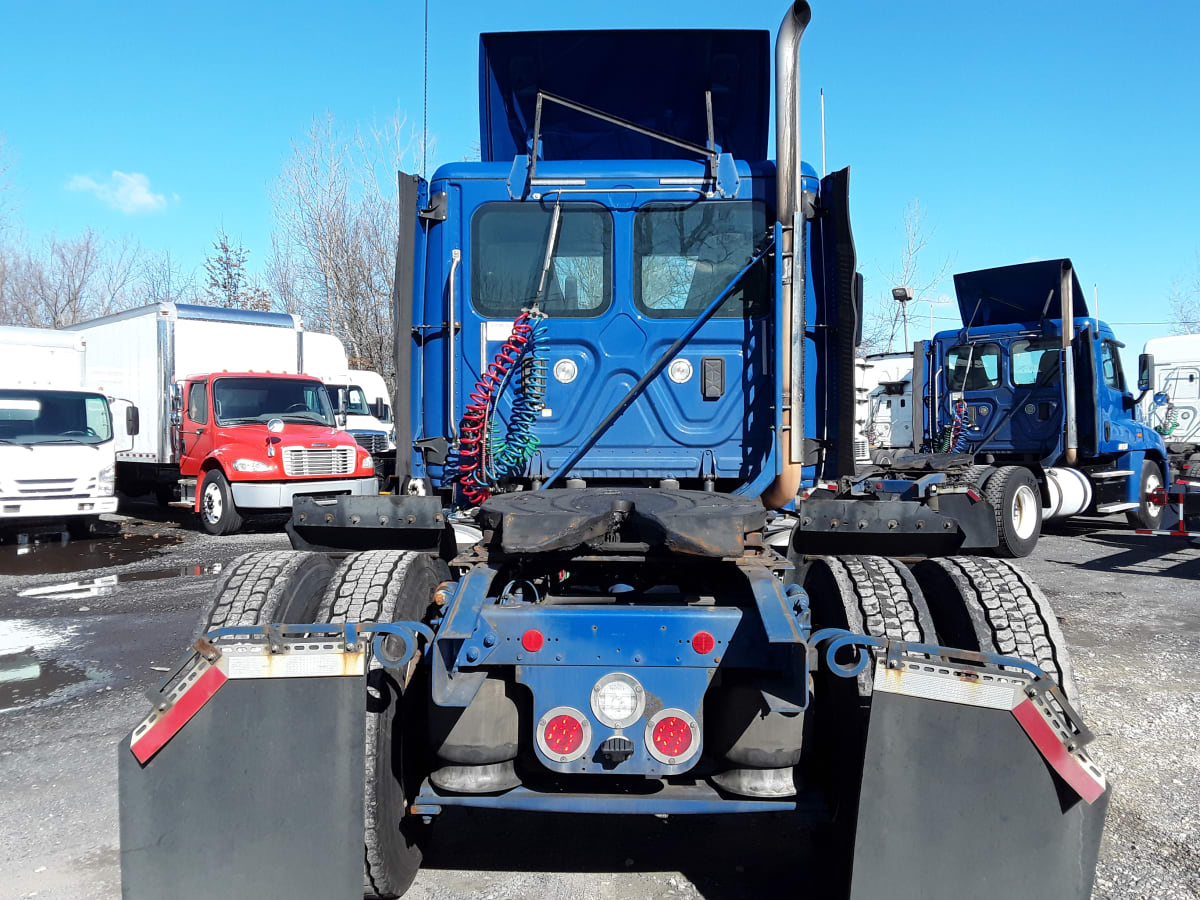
(618, 700)
(565, 371)
(680, 371)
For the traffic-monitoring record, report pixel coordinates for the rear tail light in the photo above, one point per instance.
(564, 734)
(672, 737)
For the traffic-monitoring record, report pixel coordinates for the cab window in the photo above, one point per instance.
(1110, 364)
(508, 252)
(973, 367)
(685, 254)
(197, 402)
(1036, 362)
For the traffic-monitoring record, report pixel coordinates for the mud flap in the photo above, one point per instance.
(972, 788)
(247, 780)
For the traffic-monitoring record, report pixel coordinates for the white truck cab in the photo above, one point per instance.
(57, 437)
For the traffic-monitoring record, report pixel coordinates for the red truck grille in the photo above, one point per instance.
(304, 462)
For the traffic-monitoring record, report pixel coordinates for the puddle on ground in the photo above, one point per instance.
(104, 585)
(26, 679)
(52, 557)
(25, 676)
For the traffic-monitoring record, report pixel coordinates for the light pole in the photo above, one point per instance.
(903, 295)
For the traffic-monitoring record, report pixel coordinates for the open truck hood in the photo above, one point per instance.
(656, 79)
(1014, 294)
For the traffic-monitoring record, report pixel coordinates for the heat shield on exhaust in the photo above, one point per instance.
(974, 787)
(247, 780)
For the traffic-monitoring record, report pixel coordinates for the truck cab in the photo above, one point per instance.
(363, 418)
(1016, 387)
(249, 443)
(57, 437)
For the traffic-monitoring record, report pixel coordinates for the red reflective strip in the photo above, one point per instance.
(1143, 531)
(1060, 759)
(178, 715)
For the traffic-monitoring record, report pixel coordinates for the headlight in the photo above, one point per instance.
(367, 462)
(392, 438)
(251, 465)
(106, 481)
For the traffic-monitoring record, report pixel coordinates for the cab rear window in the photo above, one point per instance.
(973, 367)
(685, 253)
(508, 253)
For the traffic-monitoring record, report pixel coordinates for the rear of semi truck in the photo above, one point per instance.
(631, 338)
(57, 434)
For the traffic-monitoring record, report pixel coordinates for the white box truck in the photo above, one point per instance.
(358, 397)
(883, 406)
(57, 439)
(230, 427)
(1172, 408)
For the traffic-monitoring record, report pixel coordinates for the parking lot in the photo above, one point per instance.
(86, 628)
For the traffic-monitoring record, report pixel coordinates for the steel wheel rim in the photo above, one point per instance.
(1024, 512)
(1153, 483)
(213, 506)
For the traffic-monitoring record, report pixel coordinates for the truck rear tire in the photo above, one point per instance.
(268, 586)
(868, 595)
(991, 606)
(218, 514)
(389, 586)
(1147, 515)
(1017, 502)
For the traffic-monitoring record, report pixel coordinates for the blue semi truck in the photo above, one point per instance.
(625, 574)
(1046, 413)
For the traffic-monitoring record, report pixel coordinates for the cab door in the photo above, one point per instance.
(1117, 425)
(196, 428)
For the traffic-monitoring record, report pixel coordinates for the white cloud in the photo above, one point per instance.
(127, 192)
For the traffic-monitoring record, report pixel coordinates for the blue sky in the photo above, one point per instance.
(1027, 130)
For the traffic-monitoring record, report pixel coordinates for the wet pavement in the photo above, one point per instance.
(86, 628)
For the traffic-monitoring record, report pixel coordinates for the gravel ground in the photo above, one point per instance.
(1129, 605)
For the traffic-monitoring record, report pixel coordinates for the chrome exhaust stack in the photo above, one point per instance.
(789, 211)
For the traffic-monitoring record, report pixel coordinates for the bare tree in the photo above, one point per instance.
(229, 284)
(1184, 300)
(162, 280)
(334, 250)
(885, 323)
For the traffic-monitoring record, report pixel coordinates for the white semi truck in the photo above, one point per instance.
(1173, 407)
(57, 439)
(883, 406)
(232, 426)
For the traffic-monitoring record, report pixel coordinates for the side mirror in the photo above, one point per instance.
(1145, 380)
(133, 423)
(379, 409)
(340, 418)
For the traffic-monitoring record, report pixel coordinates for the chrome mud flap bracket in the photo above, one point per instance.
(975, 781)
(250, 767)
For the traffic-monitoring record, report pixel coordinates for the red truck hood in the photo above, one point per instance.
(293, 435)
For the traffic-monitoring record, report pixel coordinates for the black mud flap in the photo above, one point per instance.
(247, 780)
(981, 792)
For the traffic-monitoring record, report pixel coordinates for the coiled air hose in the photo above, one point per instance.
(483, 456)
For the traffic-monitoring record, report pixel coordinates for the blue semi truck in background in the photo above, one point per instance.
(1046, 412)
(629, 571)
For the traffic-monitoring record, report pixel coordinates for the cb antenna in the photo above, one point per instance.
(822, 132)
(425, 98)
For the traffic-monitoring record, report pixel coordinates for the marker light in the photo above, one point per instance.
(563, 734)
(618, 700)
(703, 643)
(532, 640)
(672, 736)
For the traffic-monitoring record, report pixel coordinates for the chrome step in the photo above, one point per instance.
(1110, 473)
(1116, 507)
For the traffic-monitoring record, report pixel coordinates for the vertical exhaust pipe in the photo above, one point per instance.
(789, 211)
(1066, 292)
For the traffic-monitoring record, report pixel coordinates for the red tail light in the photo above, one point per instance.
(563, 735)
(672, 737)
